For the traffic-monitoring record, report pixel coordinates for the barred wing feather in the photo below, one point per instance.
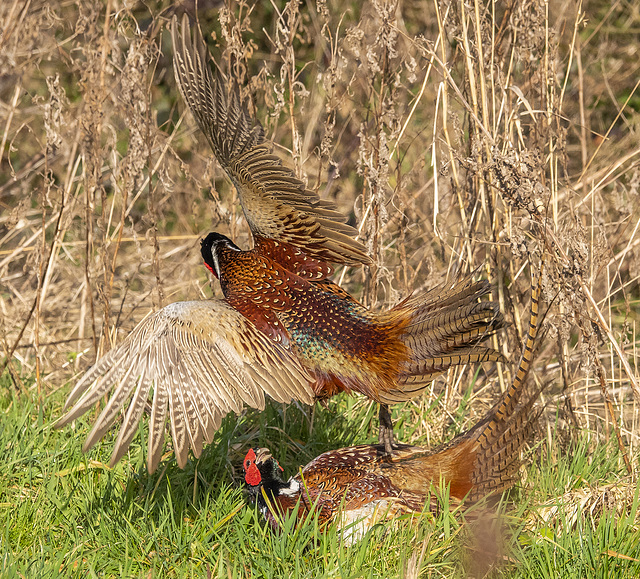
(275, 202)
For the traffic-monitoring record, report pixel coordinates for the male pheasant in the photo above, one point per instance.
(284, 328)
(360, 485)
(388, 356)
(348, 347)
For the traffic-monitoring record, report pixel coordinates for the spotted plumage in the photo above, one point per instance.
(364, 483)
(346, 346)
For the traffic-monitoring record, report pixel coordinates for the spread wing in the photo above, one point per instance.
(276, 204)
(202, 359)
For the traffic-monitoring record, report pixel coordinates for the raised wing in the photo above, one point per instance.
(202, 359)
(276, 204)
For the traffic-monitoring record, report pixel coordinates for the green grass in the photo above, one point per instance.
(65, 514)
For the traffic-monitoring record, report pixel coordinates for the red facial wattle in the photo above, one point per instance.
(251, 472)
(252, 475)
(249, 458)
(213, 271)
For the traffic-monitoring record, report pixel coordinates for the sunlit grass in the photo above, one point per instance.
(66, 513)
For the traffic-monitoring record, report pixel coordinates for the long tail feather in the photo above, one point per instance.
(485, 459)
(444, 327)
(509, 425)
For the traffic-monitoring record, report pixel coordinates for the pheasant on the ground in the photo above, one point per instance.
(284, 328)
(359, 485)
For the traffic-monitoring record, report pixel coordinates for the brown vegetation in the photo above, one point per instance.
(457, 138)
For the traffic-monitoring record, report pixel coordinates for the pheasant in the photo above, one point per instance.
(283, 329)
(389, 356)
(296, 234)
(360, 485)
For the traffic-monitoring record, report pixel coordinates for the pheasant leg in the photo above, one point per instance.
(385, 432)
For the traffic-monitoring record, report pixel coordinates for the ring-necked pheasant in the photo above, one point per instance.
(283, 328)
(388, 356)
(359, 485)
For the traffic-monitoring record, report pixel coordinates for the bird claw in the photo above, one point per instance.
(385, 438)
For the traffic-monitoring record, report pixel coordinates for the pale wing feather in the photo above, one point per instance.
(197, 395)
(214, 366)
(261, 378)
(156, 425)
(132, 419)
(283, 379)
(202, 359)
(204, 418)
(106, 378)
(121, 393)
(192, 421)
(181, 377)
(178, 425)
(233, 372)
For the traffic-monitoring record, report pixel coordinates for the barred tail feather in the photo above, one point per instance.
(485, 459)
(500, 436)
(444, 328)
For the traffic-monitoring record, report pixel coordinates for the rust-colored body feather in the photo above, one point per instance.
(388, 356)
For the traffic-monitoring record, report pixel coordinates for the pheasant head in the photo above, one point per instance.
(209, 248)
(261, 470)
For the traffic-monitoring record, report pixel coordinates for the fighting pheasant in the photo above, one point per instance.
(388, 356)
(360, 485)
(283, 328)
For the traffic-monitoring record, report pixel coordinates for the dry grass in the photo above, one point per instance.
(457, 138)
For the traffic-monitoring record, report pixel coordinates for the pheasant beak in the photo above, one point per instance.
(262, 455)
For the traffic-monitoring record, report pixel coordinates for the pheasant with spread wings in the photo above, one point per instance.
(283, 328)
